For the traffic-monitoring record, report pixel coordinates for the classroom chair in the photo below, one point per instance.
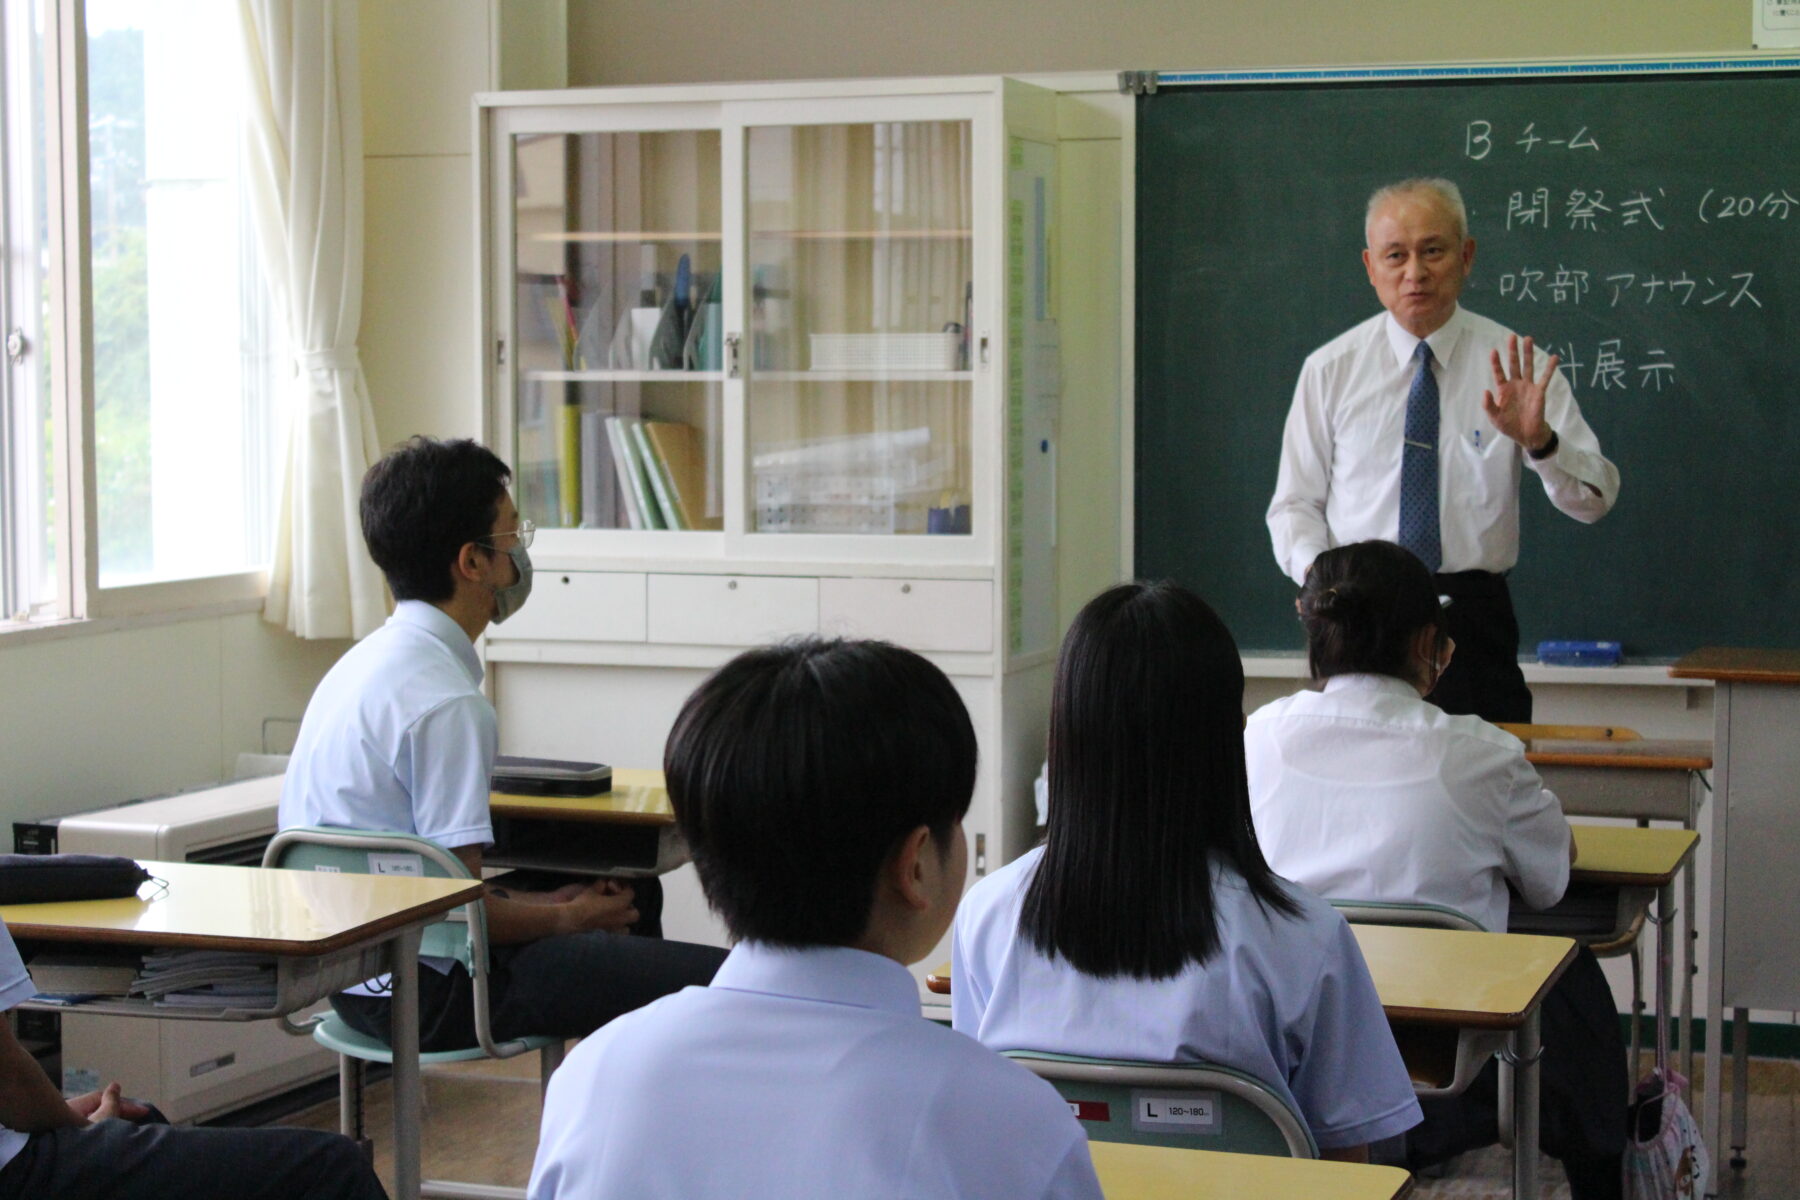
(463, 937)
(1248, 1117)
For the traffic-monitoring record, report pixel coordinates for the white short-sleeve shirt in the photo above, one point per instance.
(1366, 792)
(1288, 1000)
(398, 736)
(15, 989)
(802, 1073)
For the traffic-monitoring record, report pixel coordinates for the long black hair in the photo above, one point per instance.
(1362, 606)
(1147, 788)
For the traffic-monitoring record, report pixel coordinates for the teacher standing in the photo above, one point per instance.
(1413, 427)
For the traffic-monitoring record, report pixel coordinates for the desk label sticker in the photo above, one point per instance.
(395, 864)
(1091, 1110)
(1171, 1112)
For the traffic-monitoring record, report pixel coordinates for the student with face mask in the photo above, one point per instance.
(398, 737)
(1365, 790)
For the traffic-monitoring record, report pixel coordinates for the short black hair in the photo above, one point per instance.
(422, 503)
(1362, 604)
(1147, 788)
(796, 770)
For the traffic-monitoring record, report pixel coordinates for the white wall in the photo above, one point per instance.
(96, 718)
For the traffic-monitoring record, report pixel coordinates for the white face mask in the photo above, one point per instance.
(511, 598)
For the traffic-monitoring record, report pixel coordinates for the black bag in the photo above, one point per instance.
(38, 878)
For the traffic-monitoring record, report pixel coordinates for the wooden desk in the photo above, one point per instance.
(628, 831)
(327, 932)
(1604, 771)
(1472, 985)
(1752, 957)
(1130, 1172)
(1628, 857)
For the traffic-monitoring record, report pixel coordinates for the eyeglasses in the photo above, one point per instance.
(524, 534)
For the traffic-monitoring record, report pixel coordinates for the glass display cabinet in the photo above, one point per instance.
(772, 359)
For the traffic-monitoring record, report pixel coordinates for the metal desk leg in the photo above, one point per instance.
(1740, 1085)
(1684, 1033)
(1665, 962)
(404, 1039)
(1521, 1060)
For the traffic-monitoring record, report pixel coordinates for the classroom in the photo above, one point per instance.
(161, 686)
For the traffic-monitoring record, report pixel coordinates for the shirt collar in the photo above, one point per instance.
(1443, 342)
(440, 625)
(831, 974)
(1381, 684)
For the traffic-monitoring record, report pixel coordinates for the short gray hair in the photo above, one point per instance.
(1446, 192)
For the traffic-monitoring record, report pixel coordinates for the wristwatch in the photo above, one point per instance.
(1548, 450)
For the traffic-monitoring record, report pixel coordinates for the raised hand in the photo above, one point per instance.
(1515, 404)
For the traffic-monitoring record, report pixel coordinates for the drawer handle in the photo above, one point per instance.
(906, 589)
(731, 584)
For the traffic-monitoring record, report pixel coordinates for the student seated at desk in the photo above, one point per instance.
(1148, 926)
(102, 1145)
(1366, 791)
(821, 788)
(399, 737)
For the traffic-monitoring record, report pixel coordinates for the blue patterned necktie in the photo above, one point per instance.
(1419, 467)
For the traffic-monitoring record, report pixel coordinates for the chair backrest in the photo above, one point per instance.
(1195, 1106)
(1426, 916)
(463, 937)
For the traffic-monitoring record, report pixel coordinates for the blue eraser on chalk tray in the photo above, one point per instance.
(1580, 654)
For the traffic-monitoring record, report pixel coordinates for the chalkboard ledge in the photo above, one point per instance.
(1292, 665)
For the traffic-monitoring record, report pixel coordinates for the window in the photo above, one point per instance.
(181, 434)
(27, 541)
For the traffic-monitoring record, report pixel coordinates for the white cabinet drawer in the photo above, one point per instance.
(921, 614)
(731, 610)
(579, 606)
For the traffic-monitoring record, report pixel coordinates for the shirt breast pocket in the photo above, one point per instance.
(1481, 467)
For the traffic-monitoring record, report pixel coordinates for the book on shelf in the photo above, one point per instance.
(657, 472)
(683, 467)
(645, 512)
(599, 479)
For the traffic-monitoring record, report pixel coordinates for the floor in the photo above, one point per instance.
(481, 1119)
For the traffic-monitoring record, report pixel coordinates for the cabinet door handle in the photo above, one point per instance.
(733, 368)
(906, 589)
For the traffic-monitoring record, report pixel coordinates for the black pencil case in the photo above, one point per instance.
(550, 777)
(41, 878)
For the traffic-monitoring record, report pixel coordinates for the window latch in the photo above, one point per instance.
(15, 346)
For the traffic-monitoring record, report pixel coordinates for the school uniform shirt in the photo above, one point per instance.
(803, 1073)
(399, 738)
(1288, 1000)
(1363, 791)
(15, 989)
(1339, 480)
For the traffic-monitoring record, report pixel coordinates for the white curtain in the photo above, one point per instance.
(303, 140)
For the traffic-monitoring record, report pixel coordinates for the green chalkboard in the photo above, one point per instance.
(1646, 225)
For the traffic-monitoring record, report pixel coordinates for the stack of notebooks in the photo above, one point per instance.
(206, 979)
(76, 977)
(659, 470)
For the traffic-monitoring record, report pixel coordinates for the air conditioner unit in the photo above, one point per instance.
(192, 1070)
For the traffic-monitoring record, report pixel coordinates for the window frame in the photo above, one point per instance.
(69, 331)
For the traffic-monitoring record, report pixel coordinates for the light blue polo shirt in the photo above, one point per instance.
(398, 736)
(15, 989)
(801, 1073)
(1286, 1000)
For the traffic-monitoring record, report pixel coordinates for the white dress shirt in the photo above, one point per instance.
(1340, 450)
(802, 1073)
(15, 989)
(398, 738)
(1365, 792)
(1287, 1000)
